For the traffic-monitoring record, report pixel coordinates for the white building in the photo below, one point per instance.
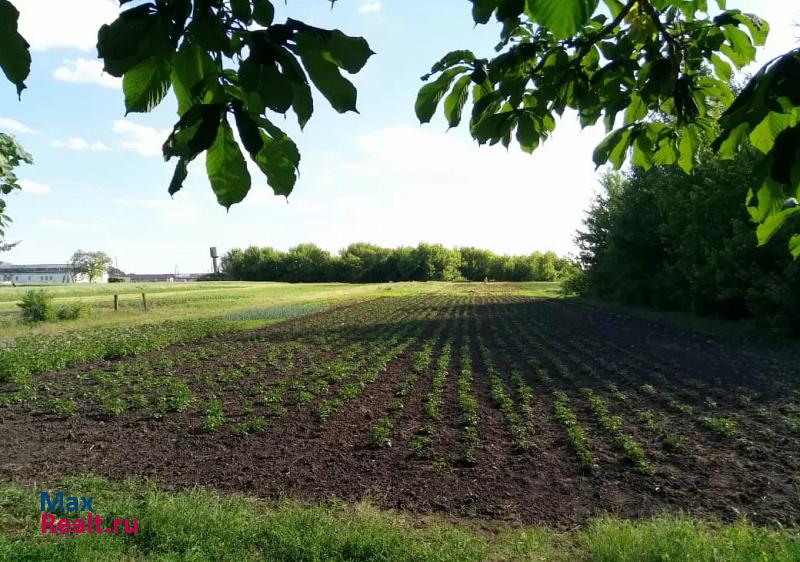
(40, 274)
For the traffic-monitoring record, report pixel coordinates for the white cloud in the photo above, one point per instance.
(86, 71)
(454, 192)
(147, 141)
(30, 186)
(77, 143)
(370, 7)
(16, 127)
(53, 24)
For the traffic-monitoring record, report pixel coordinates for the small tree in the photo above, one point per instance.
(91, 264)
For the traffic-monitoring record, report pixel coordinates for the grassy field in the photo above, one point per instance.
(182, 301)
(424, 422)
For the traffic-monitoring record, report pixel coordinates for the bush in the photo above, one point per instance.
(37, 306)
(574, 283)
(117, 280)
(72, 311)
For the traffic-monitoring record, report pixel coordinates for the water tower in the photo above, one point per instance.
(214, 258)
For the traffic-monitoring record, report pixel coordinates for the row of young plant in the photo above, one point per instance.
(372, 325)
(150, 384)
(722, 426)
(516, 425)
(433, 400)
(300, 387)
(719, 425)
(381, 433)
(467, 401)
(613, 426)
(578, 358)
(577, 436)
(376, 363)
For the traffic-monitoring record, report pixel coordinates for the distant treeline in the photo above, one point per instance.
(367, 263)
(664, 239)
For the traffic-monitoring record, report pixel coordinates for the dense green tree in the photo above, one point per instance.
(664, 239)
(437, 263)
(620, 61)
(367, 263)
(364, 263)
(91, 264)
(476, 263)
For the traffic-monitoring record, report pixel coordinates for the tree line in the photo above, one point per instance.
(368, 263)
(665, 239)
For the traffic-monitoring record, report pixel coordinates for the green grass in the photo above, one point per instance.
(245, 302)
(199, 525)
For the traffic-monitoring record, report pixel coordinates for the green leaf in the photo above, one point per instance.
(431, 94)
(279, 159)
(302, 102)
(482, 10)
(248, 131)
(614, 6)
(263, 12)
(759, 29)
(454, 103)
(137, 34)
(562, 17)
(688, 146)
(181, 171)
(614, 148)
(527, 135)
(765, 133)
(241, 10)
(349, 53)
(451, 59)
(227, 168)
(15, 56)
(267, 86)
(739, 47)
(325, 75)
(767, 229)
(794, 246)
(722, 68)
(146, 84)
(195, 131)
(190, 66)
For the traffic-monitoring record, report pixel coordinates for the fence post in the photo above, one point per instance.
(144, 302)
(116, 302)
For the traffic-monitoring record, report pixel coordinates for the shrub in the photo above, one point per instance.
(37, 306)
(117, 280)
(72, 311)
(574, 283)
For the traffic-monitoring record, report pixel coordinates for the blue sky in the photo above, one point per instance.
(99, 182)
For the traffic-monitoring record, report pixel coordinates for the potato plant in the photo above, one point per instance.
(575, 433)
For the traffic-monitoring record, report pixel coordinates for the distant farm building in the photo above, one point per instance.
(162, 277)
(41, 274)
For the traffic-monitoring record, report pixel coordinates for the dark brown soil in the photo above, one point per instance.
(754, 474)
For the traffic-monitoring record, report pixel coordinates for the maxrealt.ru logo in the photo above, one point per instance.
(78, 505)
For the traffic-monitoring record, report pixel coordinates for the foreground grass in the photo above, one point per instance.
(199, 525)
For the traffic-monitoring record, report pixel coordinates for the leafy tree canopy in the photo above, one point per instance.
(91, 264)
(656, 72)
(11, 156)
(230, 66)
